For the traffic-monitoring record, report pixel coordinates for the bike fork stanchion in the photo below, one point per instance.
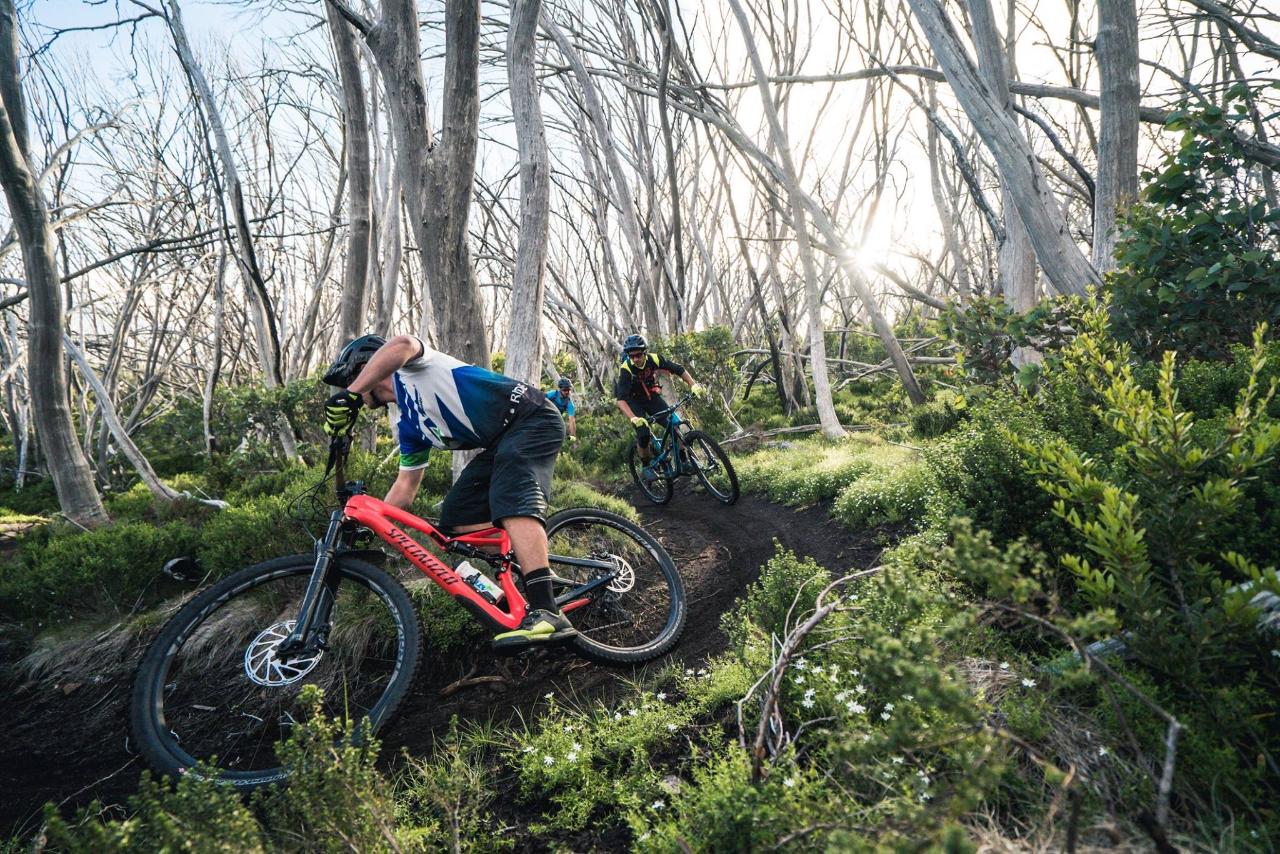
(326, 553)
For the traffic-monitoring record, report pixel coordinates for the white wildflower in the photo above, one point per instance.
(888, 707)
(925, 796)
(672, 727)
(576, 747)
(790, 782)
(572, 756)
(1102, 751)
(860, 688)
(798, 679)
(617, 716)
(857, 708)
(801, 664)
(807, 702)
(1028, 683)
(568, 728)
(657, 805)
(884, 716)
(548, 760)
(1004, 665)
(898, 760)
(528, 748)
(631, 713)
(908, 697)
(549, 695)
(662, 695)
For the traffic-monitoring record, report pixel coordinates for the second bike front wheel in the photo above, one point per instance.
(211, 690)
(640, 614)
(659, 489)
(712, 467)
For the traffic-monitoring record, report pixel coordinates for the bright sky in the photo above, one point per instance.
(906, 219)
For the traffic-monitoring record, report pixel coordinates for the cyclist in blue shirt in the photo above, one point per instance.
(448, 404)
(562, 397)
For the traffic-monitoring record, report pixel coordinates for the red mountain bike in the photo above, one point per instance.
(220, 684)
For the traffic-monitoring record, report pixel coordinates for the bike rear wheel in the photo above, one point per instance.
(659, 489)
(640, 614)
(211, 690)
(712, 467)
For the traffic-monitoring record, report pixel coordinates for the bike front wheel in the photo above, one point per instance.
(712, 467)
(639, 614)
(212, 691)
(659, 489)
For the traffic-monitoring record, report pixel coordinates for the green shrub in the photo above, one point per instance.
(445, 802)
(196, 814)
(1197, 255)
(784, 592)
(335, 799)
(722, 810)
(935, 418)
(113, 568)
(904, 493)
(251, 532)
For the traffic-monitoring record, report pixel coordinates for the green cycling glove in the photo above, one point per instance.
(340, 412)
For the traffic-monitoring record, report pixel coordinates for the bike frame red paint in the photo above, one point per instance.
(378, 517)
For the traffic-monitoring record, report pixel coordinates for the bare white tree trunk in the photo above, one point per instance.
(1017, 259)
(355, 301)
(799, 221)
(524, 333)
(1064, 264)
(1117, 51)
(72, 479)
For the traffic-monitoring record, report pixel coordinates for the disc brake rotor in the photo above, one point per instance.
(624, 578)
(264, 667)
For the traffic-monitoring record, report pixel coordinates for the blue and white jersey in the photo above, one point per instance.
(446, 403)
(564, 404)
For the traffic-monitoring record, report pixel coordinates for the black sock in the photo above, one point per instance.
(537, 587)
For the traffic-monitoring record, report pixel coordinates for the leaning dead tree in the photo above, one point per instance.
(1021, 176)
(68, 467)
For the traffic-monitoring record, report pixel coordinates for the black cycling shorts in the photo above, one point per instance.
(647, 405)
(511, 478)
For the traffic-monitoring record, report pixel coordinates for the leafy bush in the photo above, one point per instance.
(1197, 256)
(936, 417)
(335, 800)
(196, 814)
(785, 590)
(978, 472)
(59, 577)
(903, 493)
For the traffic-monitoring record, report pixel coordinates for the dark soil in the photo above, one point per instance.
(65, 741)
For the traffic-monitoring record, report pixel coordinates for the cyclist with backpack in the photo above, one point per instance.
(638, 393)
(562, 397)
(448, 404)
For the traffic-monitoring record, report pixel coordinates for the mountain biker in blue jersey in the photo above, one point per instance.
(448, 404)
(638, 393)
(562, 397)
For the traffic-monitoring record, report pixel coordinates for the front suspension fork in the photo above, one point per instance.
(311, 627)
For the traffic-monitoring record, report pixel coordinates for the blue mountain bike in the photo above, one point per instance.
(678, 451)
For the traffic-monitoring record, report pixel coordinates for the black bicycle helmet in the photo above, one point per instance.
(564, 384)
(634, 342)
(352, 359)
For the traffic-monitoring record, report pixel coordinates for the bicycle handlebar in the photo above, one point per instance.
(663, 414)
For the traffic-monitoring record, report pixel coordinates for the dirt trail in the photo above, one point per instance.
(65, 741)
